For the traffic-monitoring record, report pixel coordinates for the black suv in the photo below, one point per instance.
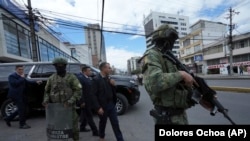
(127, 87)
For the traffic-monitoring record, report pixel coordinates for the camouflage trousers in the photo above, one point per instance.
(180, 119)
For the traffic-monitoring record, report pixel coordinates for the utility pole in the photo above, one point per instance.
(32, 33)
(230, 38)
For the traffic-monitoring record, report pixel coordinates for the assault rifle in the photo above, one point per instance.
(203, 91)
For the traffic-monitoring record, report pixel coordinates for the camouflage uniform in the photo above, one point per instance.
(162, 81)
(67, 90)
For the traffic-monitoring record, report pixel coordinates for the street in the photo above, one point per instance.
(136, 124)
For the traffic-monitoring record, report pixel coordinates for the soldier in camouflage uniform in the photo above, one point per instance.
(168, 87)
(63, 87)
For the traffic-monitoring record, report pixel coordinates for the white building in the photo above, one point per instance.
(191, 46)
(81, 52)
(217, 56)
(132, 64)
(156, 19)
(94, 38)
(15, 39)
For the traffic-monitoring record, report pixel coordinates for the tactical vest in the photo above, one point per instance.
(176, 96)
(60, 90)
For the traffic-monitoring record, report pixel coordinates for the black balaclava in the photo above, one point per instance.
(60, 69)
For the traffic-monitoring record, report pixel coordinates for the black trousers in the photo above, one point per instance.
(86, 117)
(21, 111)
(110, 112)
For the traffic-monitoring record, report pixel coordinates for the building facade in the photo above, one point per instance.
(81, 52)
(217, 55)
(95, 40)
(192, 45)
(132, 64)
(15, 38)
(156, 19)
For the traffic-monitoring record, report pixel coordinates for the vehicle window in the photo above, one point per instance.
(47, 70)
(43, 71)
(74, 68)
(27, 69)
(95, 70)
(7, 70)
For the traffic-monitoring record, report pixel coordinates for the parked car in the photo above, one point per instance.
(127, 87)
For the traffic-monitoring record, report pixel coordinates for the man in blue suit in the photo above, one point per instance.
(85, 102)
(17, 90)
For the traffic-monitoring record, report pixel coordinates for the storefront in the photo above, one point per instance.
(223, 68)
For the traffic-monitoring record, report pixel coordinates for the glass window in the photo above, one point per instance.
(43, 52)
(10, 34)
(51, 54)
(24, 45)
(43, 71)
(74, 68)
(6, 70)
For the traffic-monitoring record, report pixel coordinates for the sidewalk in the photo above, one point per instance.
(224, 76)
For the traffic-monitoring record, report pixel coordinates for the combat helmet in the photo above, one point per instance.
(164, 32)
(59, 60)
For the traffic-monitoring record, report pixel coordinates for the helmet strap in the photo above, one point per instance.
(164, 46)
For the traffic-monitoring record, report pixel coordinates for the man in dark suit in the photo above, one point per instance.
(85, 102)
(104, 101)
(17, 90)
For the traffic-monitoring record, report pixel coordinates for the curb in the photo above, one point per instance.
(231, 89)
(225, 78)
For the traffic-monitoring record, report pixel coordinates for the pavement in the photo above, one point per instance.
(228, 77)
(224, 76)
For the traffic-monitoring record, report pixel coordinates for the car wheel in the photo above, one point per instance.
(121, 104)
(8, 107)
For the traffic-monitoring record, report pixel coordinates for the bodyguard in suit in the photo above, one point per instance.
(85, 102)
(104, 101)
(17, 90)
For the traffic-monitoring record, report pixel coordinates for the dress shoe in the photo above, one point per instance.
(95, 134)
(25, 126)
(85, 130)
(7, 122)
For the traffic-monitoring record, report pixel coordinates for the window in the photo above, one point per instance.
(169, 22)
(213, 50)
(186, 42)
(6, 70)
(43, 71)
(16, 38)
(197, 48)
(183, 24)
(24, 43)
(74, 68)
(213, 62)
(182, 52)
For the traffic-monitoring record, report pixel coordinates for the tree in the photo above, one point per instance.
(137, 71)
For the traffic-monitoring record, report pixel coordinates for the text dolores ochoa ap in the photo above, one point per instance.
(228, 132)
